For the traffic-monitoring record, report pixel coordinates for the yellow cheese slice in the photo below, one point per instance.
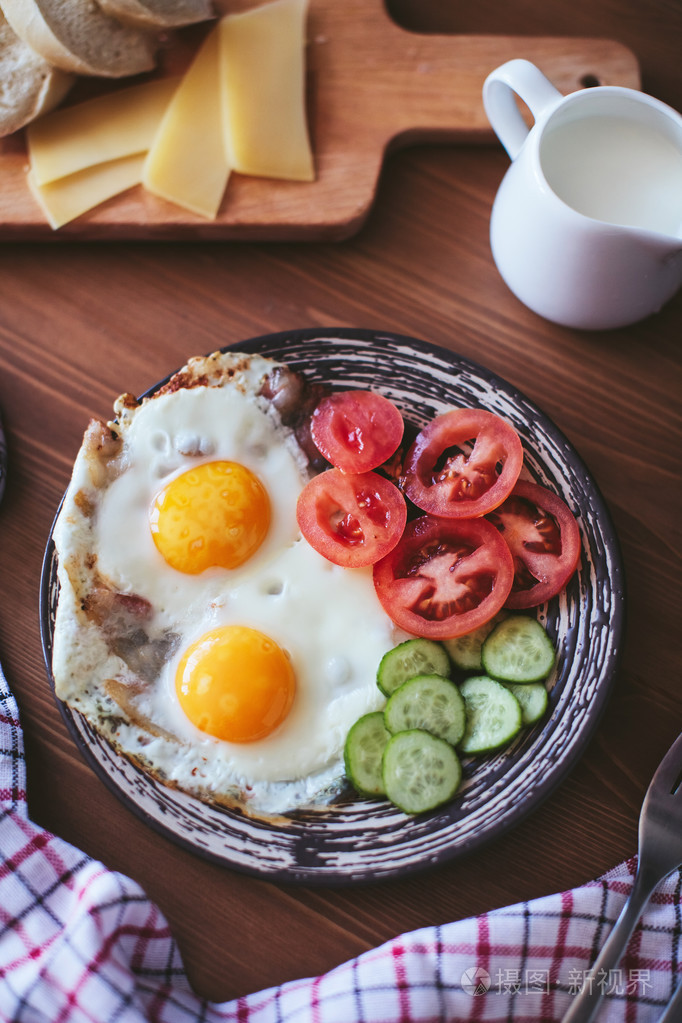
(105, 128)
(186, 163)
(262, 64)
(67, 198)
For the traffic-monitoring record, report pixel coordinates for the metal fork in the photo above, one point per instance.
(660, 852)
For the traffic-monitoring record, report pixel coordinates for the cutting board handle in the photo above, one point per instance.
(427, 87)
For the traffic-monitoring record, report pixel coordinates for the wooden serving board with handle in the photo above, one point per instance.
(372, 86)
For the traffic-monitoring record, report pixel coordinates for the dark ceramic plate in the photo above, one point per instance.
(363, 840)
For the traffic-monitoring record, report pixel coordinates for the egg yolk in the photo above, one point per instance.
(215, 514)
(235, 683)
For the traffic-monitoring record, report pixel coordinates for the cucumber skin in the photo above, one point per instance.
(437, 663)
(524, 691)
(490, 657)
(373, 719)
(507, 698)
(465, 651)
(445, 750)
(407, 690)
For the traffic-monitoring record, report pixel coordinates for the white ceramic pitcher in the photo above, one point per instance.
(586, 228)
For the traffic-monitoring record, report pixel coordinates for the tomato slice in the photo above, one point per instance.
(445, 577)
(445, 475)
(356, 430)
(351, 519)
(544, 541)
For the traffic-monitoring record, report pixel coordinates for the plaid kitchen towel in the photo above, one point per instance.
(82, 944)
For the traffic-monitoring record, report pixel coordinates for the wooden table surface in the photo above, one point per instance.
(81, 322)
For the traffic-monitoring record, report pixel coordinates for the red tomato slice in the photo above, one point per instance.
(356, 430)
(447, 477)
(544, 541)
(351, 519)
(445, 577)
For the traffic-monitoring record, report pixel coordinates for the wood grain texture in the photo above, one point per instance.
(372, 86)
(81, 322)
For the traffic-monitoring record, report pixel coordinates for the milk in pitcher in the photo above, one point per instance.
(616, 169)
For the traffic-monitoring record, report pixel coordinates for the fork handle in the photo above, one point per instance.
(673, 1010)
(586, 1002)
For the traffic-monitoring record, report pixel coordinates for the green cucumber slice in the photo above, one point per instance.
(518, 650)
(420, 771)
(429, 702)
(533, 700)
(465, 651)
(493, 715)
(363, 753)
(413, 657)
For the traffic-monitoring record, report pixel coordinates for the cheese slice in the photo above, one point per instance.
(98, 130)
(262, 66)
(187, 164)
(69, 197)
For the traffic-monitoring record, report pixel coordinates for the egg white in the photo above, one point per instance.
(327, 619)
(165, 439)
(311, 608)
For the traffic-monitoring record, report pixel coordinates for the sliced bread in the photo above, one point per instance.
(158, 13)
(29, 86)
(78, 36)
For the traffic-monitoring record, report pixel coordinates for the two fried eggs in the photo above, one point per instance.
(195, 628)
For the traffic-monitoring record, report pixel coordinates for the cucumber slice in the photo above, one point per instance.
(518, 650)
(465, 651)
(420, 771)
(533, 700)
(413, 657)
(493, 715)
(363, 752)
(429, 702)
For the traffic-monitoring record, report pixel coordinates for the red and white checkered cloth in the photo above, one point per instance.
(82, 944)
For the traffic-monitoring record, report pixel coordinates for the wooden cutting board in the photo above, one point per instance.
(371, 86)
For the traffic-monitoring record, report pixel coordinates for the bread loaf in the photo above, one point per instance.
(29, 86)
(158, 13)
(77, 36)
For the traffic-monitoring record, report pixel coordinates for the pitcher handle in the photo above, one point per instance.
(521, 78)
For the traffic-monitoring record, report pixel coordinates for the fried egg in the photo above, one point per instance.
(195, 629)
